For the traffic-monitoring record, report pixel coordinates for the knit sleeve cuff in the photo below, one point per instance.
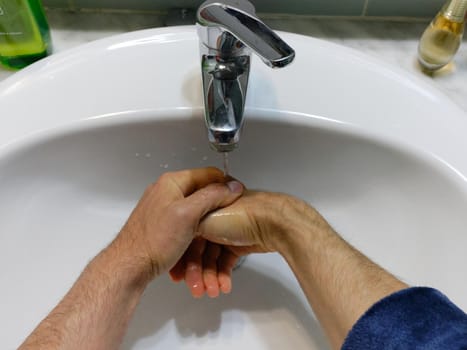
(413, 318)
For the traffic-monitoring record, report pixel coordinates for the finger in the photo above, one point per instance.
(225, 265)
(188, 181)
(194, 267)
(209, 198)
(211, 284)
(177, 273)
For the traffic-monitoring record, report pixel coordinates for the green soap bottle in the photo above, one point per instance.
(24, 33)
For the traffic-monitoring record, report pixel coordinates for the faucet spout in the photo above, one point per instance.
(229, 32)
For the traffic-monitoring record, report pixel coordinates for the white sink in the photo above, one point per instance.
(379, 152)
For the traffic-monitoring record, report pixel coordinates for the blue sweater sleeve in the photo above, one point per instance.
(414, 318)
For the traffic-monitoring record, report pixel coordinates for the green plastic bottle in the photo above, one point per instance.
(24, 33)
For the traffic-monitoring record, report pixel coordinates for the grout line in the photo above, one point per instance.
(365, 8)
(285, 16)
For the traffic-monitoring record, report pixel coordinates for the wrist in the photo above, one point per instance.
(132, 270)
(300, 229)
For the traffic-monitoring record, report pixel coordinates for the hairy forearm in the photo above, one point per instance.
(339, 282)
(95, 312)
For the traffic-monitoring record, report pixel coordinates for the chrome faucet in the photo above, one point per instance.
(228, 32)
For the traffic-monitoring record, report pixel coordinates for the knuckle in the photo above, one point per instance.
(181, 212)
(155, 186)
(213, 193)
(207, 191)
(166, 180)
(165, 177)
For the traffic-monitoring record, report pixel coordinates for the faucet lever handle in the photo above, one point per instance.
(238, 17)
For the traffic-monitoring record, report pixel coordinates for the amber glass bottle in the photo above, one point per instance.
(441, 40)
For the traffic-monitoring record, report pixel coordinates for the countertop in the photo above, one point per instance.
(391, 40)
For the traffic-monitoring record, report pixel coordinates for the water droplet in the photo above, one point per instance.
(193, 149)
(137, 154)
(166, 166)
(205, 158)
(148, 155)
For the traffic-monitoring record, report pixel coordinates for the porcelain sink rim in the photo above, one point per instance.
(181, 114)
(454, 119)
(18, 139)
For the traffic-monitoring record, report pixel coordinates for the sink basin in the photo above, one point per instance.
(379, 152)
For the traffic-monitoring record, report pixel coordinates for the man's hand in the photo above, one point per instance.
(255, 223)
(166, 219)
(96, 311)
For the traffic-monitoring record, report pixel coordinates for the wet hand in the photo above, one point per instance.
(250, 225)
(166, 219)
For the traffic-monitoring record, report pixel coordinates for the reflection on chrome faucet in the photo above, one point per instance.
(228, 32)
(225, 98)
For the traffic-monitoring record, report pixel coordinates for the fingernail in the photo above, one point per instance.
(235, 186)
